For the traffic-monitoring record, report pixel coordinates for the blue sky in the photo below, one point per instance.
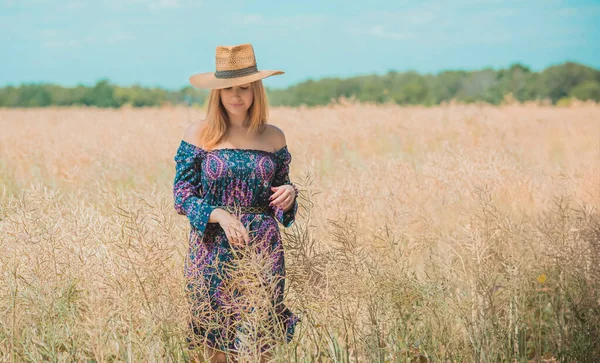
(163, 42)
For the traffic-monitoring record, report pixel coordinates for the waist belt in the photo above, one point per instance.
(244, 209)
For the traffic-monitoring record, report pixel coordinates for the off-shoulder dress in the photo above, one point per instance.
(204, 180)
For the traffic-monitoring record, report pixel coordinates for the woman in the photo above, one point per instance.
(232, 182)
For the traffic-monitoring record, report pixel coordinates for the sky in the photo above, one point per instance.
(163, 42)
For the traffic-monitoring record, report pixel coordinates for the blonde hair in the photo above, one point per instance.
(217, 118)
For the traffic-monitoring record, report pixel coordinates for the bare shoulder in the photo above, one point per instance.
(276, 136)
(192, 133)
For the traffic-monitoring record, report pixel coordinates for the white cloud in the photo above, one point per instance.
(379, 31)
(588, 10)
(53, 38)
(413, 17)
(442, 22)
(49, 33)
(115, 4)
(250, 19)
(164, 4)
(11, 3)
(71, 43)
(281, 22)
(121, 37)
(157, 4)
(567, 11)
(76, 4)
(396, 25)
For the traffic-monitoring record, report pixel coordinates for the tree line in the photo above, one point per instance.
(556, 84)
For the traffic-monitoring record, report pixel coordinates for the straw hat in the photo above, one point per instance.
(235, 65)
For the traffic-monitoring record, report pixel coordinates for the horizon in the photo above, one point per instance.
(160, 43)
(291, 85)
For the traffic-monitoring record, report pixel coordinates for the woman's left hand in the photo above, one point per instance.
(283, 196)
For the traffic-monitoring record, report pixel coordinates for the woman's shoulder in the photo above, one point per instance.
(276, 136)
(192, 133)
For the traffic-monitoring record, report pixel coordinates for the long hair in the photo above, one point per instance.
(217, 118)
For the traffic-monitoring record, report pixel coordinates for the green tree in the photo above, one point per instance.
(557, 81)
(588, 90)
(101, 95)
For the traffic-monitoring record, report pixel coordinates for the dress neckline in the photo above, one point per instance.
(235, 149)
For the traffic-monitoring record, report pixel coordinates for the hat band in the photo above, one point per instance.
(237, 72)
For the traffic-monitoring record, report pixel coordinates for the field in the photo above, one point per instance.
(453, 233)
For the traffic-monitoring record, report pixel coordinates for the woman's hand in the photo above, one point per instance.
(283, 196)
(234, 229)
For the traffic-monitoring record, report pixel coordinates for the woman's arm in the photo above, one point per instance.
(282, 177)
(187, 184)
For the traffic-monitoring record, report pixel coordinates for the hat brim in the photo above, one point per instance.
(209, 81)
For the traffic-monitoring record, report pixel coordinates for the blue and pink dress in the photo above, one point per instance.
(204, 180)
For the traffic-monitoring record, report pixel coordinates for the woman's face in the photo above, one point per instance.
(237, 99)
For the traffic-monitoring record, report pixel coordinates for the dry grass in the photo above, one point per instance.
(455, 233)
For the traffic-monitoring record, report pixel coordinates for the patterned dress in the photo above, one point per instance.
(223, 314)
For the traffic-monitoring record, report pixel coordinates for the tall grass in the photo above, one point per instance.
(453, 233)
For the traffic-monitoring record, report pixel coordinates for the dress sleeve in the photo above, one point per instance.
(282, 176)
(187, 187)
